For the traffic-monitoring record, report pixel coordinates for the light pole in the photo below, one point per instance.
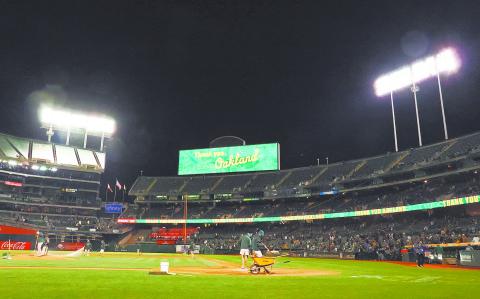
(415, 89)
(394, 124)
(441, 104)
(446, 61)
(50, 133)
(185, 215)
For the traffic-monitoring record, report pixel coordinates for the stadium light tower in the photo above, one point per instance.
(69, 121)
(394, 123)
(444, 62)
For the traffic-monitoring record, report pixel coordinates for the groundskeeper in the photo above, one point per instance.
(245, 244)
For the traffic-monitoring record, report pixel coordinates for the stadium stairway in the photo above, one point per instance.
(215, 185)
(182, 186)
(318, 175)
(283, 179)
(150, 186)
(124, 240)
(132, 237)
(249, 182)
(357, 168)
(445, 148)
(395, 163)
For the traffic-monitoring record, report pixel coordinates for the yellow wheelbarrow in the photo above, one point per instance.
(262, 263)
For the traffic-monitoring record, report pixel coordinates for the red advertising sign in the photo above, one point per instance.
(11, 230)
(14, 184)
(126, 220)
(165, 242)
(15, 245)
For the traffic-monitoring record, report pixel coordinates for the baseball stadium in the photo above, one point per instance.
(359, 225)
(90, 206)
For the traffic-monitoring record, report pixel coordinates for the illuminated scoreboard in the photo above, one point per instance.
(246, 158)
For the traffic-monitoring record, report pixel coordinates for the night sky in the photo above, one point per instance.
(177, 74)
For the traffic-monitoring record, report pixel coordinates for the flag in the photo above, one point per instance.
(124, 187)
(109, 188)
(118, 185)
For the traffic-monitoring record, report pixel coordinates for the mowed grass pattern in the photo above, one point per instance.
(356, 279)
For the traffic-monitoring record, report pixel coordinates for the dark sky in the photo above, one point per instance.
(176, 74)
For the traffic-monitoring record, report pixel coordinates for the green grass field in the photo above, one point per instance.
(354, 279)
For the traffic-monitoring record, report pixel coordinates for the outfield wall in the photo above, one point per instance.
(149, 247)
(15, 238)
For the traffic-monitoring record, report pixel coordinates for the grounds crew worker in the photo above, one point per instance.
(245, 243)
(191, 247)
(40, 241)
(88, 247)
(257, 243)
(103, 245)
(45, 246)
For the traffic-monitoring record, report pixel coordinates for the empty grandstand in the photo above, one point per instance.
(441, 159)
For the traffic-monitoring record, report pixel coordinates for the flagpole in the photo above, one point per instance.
(115, 192)
(123, 194)
(106, 193)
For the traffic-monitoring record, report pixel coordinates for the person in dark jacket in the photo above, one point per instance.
(420, 252)
(257, 243)
(245, 244)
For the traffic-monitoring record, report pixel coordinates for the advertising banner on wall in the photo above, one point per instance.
(113, 207)
(70, 246)
(474, 199)
(15, 245)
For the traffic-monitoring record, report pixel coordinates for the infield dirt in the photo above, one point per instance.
(218, 267)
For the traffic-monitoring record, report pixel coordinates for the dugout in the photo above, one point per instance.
(469, 258)
(149, 247)
(447, 253)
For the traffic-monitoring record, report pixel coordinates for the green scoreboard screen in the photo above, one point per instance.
(258, 157)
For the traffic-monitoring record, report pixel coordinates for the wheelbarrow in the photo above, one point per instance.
(262, 263)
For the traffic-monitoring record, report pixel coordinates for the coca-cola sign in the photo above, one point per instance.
(15, 245)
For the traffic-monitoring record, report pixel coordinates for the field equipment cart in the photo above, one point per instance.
(265, 263)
